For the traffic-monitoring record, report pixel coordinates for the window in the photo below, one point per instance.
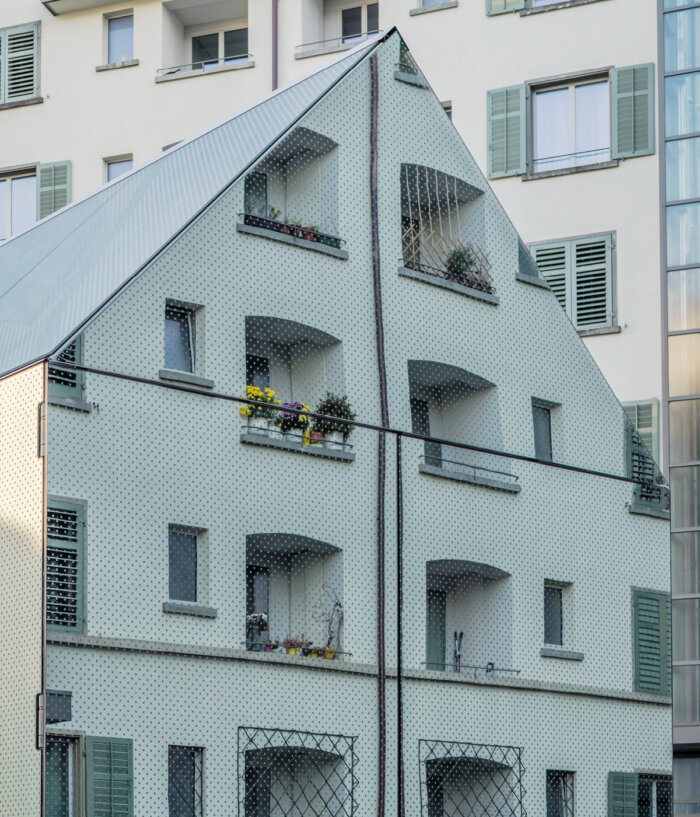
(359, 19)
(447, 107)
(255, 194)
(257, 600)
(652, 642)
(257, 371)
(582, 121)
(182, 565)
(117, 167)
(19, 60)
(686, 785)
(435, 629)
(120, 38)
(64, 566)
(17, 203)
(580, 273)
(184, 781)
(420, 424)
(542, 423)
(61, 775)
(553, 615)
(179, 338)
(645, 418)
(67, 383)
(109, 775)
(640, 795)
(560, 794)
(211, 50)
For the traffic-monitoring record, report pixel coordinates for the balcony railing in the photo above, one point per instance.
(475, 278)
(477, 473)
(652, 495)
(333, 43)
(472, 669)
(295, 230)
(204, 65)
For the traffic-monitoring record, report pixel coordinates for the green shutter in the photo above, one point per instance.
(503, 6)
(554, 263)
(640, 465)
(632, 99)
(622, 794)
(19, 63)
(506, 131)
(435, 630)
(652, 642)
(67, 382)
(109, 771)
(54, 183)
(644, 417)
(65, 606)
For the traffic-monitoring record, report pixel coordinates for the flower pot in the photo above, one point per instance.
(294, 435)
(309, 235)
(340, 656)
(267, 647)
(290, 650)
(275, 432)
(257, 425)
(330, 654)
(306, 651)
(333, 440)
(314, 652)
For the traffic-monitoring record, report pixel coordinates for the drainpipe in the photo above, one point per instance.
(275, 43)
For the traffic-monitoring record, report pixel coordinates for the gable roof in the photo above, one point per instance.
(56, 275)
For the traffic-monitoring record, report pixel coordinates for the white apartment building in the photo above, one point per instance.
(484, 558)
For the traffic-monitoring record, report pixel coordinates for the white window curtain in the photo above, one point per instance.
(592, 135)
(552, 122)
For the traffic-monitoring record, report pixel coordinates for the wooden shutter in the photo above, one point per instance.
(592, 266)
(554, 263)
(18, 63)
(502, 6)
(109, 768)
(640, 465)
(632, 99)
(64, 566)
(67, 382)
(54, 182)
(622, 794)
(645, 418)
(652, 642)
(435, 630)
(506, 131)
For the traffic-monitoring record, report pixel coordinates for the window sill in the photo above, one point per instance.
(410, 79)
(601, 330)
(640, 509)
(285, 238)
(556, 6)
(567, 171)
(317, 52)
(20, 103)
(483, 482)
(218, 70)
(297, 448)
(560, 652)
(71, 403)
(112, 66)
(460, 289)
(188, 609)
(451, 4)
(185, 378)
(535, 282)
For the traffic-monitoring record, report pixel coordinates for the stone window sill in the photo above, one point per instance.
(218, 70)
(71, 403)
(410, 79)
(317, 52)
(566, 171)
(186, 378)
(249, 438)
(560, 652)
(472, 479)
(535, 282)
(451, 4)
(20, 103)
(601, 330)
(285, 238)
(425, 278)
(556, 7)
(188, 609)
(113, 66)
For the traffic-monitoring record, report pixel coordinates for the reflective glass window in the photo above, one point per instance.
(684, 364)
(120, 37)
(683, 169)
(682, 40)
(684, 425)
(685, 563)
(685, 497)
(23, 203)
(236, 45)
(683, 234)
(685, 618)
(683, 299)
(686, 780)
(116, 169)
(682, 104)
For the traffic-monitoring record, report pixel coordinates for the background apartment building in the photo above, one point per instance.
(114, 84)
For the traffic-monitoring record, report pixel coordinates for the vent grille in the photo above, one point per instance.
(63, 569)
(66, 377)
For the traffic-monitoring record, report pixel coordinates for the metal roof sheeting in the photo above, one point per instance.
(56, 275)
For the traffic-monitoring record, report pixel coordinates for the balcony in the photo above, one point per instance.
(328, 27)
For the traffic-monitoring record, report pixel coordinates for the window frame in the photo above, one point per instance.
(198, 793)
(25, 99)
(201, 579)
(552, 585)
(8, 175)
(364, 28)
(114, 15)
(81, 506)
(543, 405)
(111, 160)
(220, 29)
(561, 776)
(77, 748)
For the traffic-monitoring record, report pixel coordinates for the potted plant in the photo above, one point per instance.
(296, 229)
(255, 623)
(329, 610)
(329, 240)
(259, 413)
(291, 645)
(335, 435)
(311, 233)
(268, 645)
(292, 424)
(305, 646)
(459, 263)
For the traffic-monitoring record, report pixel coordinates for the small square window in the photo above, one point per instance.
(560, 793)
(182, 565)
(17, 203)
(542, 425)
(179, 338)
(118, 167)
(553, 615)
(120, 38)
(185, 781)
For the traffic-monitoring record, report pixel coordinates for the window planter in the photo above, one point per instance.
(295, 230)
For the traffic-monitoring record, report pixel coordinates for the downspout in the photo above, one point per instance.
(275, 44)
(381, 470)
(401, 812)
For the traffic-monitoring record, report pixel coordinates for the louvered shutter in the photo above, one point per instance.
(506, 131)
(592, 265)
(640, 465)
(109, 767)
(502, 6)
(54, 187)
(632, 98)
(67, 382)
(64, 566)
(645, 418)
(18, 63)
(554, 263)
(622, 794)
(652, 641)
